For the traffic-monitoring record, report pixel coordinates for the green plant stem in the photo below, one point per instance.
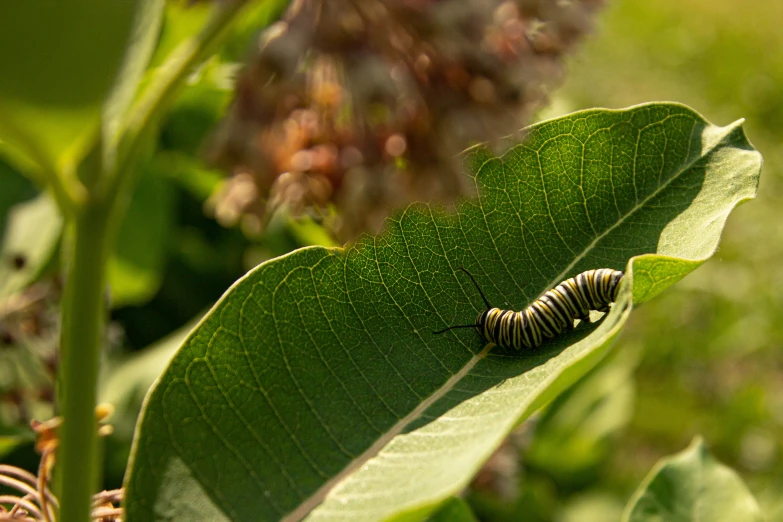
(82, 335)
(93, 218)
(83, 303)
(163, 89)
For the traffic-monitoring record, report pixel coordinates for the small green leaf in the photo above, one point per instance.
(59, 62)
(181, 20)
(454, 510)
(591, 506)
(31, 235)
(188, 172)
(315, 387)
(11, 438)
(135, 269)
(138, 53)
(14, 189)
(692, 486)
(199, 108)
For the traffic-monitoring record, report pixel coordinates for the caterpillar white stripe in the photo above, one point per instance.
(551, 314)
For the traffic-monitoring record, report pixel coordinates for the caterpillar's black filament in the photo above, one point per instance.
(551, 314)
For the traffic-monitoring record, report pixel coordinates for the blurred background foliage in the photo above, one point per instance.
(704, 358)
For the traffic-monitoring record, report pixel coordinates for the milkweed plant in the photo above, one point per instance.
(315, 388)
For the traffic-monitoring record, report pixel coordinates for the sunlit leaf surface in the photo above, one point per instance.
(315, 387)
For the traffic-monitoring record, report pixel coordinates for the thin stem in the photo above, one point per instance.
(25, 503)
(82, 335)
(164, 86)
(83, 303)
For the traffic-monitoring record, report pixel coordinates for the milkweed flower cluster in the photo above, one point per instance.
(364, 105)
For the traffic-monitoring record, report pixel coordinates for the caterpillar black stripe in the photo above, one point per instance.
(551, 314)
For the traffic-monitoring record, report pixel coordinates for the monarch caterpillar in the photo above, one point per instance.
(550, 314)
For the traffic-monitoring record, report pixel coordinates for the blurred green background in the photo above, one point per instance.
(704, 358)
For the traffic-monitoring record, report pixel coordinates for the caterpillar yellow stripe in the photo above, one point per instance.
(551, 314)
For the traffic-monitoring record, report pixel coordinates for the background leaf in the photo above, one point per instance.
(454, 510)
(692, 486)
(15, 189)
(28, 242)
(59, 65)
(574, 433)
(317, 379)
(11, 438)
(138, 53)
(136, 266)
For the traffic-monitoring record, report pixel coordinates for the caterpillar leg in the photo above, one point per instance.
(604, 309)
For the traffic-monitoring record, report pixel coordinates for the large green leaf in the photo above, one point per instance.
(59, 62)
(692, 486)
(315, 385)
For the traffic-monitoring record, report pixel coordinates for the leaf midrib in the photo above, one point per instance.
(729, 129)
(316, 498)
